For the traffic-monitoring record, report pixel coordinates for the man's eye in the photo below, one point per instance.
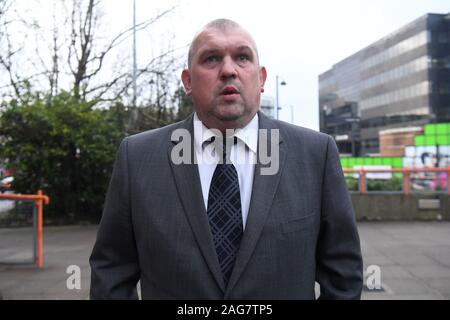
(243, 57)
(211, 59)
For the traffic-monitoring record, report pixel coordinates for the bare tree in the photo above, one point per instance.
(7, 51)
(72, 53)
(22, 69)
(86, 59)
(4, 5)
(53, 75)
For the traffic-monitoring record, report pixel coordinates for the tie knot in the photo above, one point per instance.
(223, 146)
(227, 144)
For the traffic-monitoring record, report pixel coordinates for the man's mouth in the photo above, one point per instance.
(229, 90)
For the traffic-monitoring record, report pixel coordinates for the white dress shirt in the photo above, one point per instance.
(243, 157)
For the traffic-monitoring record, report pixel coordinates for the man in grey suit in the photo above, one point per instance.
(227, 229)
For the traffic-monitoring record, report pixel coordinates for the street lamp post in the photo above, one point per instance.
(134, 54)
(292, 114)
(277, 107)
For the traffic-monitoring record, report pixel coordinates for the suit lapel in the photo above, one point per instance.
(189, 190)
(263, 193)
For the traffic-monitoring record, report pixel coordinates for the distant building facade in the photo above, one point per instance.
(394, 141)
(267, 105)
(402, 80)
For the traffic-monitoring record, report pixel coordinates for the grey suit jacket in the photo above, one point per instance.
(300, 229)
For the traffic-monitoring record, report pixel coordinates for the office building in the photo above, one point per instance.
(402, 80)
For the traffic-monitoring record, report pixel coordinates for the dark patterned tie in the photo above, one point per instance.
(225, 215)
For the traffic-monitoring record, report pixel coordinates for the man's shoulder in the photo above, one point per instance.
(296, 134)
(306, 144)
(156, 136)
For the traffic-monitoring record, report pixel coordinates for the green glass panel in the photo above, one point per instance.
(398, 163)
(388, 161)
(442, 140)
(393, 161)
(419, 140)
(430, 141)
(351, 162)
(447, 128)
(430, 129)
(441, 128)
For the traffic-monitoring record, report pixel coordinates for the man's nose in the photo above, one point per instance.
(228, 69)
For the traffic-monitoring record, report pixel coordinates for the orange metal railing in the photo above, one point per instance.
(39, 200)
(406, 176)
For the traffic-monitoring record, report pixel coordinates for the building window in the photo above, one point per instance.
(440, 62)
(413, 91)
(396, 73)
(443, 37)
(371, 144)
(404, 46)
(440, 87)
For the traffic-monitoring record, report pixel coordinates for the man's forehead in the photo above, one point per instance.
(213, 38)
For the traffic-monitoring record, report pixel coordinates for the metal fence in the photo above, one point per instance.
(401, 181)
(15, 213)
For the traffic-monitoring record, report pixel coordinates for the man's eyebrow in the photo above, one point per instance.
(245, 48)
(207, 52)
(248, 50)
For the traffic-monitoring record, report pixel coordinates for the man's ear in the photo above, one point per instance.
(186, 79)
(262, 77)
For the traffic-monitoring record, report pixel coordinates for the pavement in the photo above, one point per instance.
(412, 260)
(62, 247)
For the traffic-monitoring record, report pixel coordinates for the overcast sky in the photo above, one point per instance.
(297, 40)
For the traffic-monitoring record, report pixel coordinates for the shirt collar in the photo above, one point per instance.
(248, 134)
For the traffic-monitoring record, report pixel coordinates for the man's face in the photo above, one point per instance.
(224, 79)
